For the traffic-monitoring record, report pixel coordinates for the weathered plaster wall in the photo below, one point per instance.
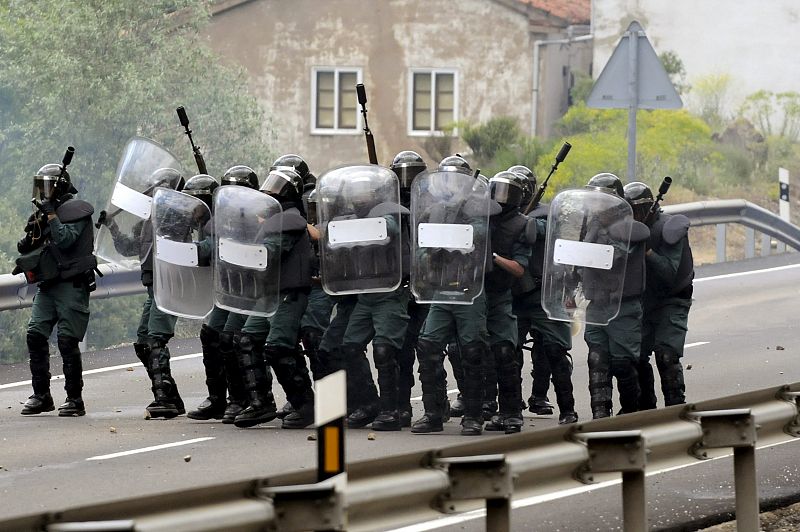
(279, 41)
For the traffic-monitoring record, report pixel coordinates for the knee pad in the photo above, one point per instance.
(226, 340)
(428, 351)
(622, 366)
(208, 335)
(665, 357)
(68, 345)
(384, 355)
(36, 342)
(598, 358)
(472, 354)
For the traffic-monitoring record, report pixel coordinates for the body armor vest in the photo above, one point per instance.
(505, 231)
(296, 262)
(685, 273)
(78, 258)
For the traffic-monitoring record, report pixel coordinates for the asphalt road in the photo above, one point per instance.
(742, 336)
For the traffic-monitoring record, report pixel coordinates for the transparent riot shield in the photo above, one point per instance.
(182, 273)
(360, 220)
(144, 165)
(588, 236)
(450, 226)
(247, 251)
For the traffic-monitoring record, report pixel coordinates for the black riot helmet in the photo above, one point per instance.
(310, 199)
(240, 175)
(407, 165)
(166, 177)
(640, 198)
(507, 189)
(283, 183)
(455, 163)
(51, 182)
(201, 186)
(530, 181)
(607, 183)
(299, 165)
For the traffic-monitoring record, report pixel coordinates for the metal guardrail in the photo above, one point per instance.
(755, 218)
(15, 293)
(487, 472)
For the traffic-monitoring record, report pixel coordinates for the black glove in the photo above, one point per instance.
(24, 245)
(47, 208)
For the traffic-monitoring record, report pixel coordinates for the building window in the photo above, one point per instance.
(335, 106)
(433, 103)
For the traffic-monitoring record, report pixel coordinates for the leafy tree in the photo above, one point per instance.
(710, 99)
(485, 140)
(93, 73)
(675, 70)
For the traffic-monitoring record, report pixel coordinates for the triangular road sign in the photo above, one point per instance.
(611, 91)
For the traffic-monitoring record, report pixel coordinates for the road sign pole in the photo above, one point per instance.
(633, 99)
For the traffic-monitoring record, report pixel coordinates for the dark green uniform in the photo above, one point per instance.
(667, 300)
(62, 302)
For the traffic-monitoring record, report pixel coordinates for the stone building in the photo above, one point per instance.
(426, 64)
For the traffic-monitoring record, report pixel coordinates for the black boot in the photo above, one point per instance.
(237, 395)
(213, 407)
(538, 403)
(73, 377)
(457, 406)
(599, 383)
(291, 371)
(257, 382)
(385, 358)
(285, 410)
(361, 388)
(509, 386)
(41, 400)
(164, 390)
(432, 379)
(627, 384)
(473, 357)
(647, 384)
(671, 371)
(490, 405)
(561, 368)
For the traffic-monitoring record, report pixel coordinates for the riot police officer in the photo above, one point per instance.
(511, 242)
(281, 331)
(614, 348)
(57, 254)
(217, 337)
(155, 326)
(667, 297)
(551, 339)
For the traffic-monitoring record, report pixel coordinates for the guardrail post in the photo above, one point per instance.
(734, 428)
(721, 242)
(625, 452)
(308, 507)
(749, 242)
(480, 477)
(793, 427)
(766, 245)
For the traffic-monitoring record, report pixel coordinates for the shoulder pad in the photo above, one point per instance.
(639, 232)
(292, 220)
(531, 231)
(387, 207)
(74, 210)
(494, 208)
(675, 228)
(618, 230)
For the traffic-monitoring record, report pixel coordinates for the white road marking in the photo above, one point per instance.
(538, 499)
(695, 344)
(98, 370)
(751, 272)
(148, 449)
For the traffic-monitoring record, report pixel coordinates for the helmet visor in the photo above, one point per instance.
(406, 174)
(43, 187)
(278, 184)
(506, 193)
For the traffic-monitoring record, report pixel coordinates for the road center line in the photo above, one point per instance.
(449, 392)
(98, 370)
(695, 344)
(148, 449)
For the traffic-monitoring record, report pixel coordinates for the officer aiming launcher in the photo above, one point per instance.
(362, 100)
(198, 155)
(59, 183)
(562, 154)
(662, 189)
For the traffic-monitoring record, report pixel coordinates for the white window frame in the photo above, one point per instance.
(410, 111)
(335, 130)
